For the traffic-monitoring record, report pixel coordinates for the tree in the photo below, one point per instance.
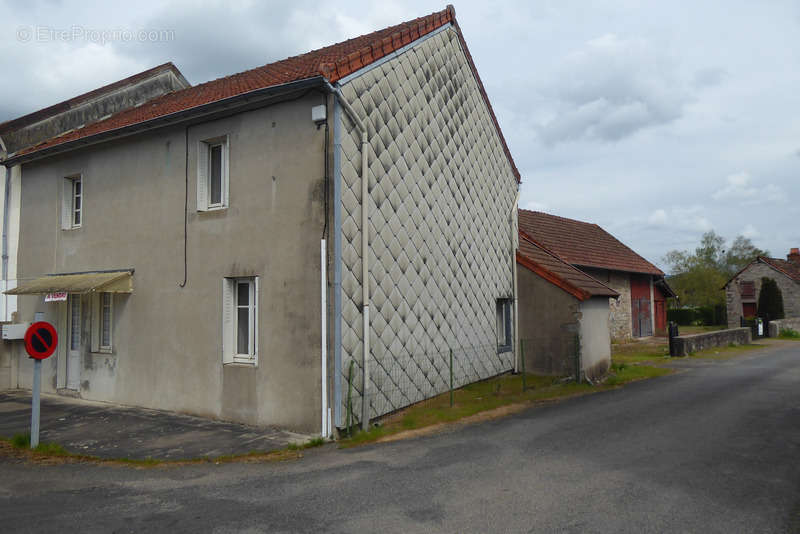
(770, 300)
(740, 253)
(698, 277)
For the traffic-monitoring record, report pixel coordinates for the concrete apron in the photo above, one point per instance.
(113, 431)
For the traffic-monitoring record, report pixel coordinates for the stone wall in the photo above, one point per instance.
(685, 345)
(755, 272)
(775, 327)
(619, 308)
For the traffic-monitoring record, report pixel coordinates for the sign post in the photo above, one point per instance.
(40, 343)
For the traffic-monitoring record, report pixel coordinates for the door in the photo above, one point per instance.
(74, 342)
(642, 326)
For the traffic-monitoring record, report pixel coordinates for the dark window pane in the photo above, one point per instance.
(77, 203)
(77, 187)
(243, 297)
(77, 218)
(243, 331)
(215, 174)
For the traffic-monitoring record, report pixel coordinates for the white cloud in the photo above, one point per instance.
(740, 186)
(536, 206)
(750, 232)
(612, 88)
(688, 218)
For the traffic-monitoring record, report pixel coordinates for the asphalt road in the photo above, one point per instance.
(711, 449)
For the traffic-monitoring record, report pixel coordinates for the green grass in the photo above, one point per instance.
(789, 333)
(23, 441)
(495, 393)
(49, 449)
(316, 442)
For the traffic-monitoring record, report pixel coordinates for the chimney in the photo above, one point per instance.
(794, 256)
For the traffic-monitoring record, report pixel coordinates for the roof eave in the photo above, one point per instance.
(254, 97)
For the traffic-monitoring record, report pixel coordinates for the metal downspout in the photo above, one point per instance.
(364, 252)
(337, 264)
(511, 215)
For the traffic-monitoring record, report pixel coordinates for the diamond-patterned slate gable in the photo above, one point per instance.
(441, 188)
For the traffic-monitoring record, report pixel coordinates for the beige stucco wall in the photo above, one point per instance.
(167, 339)
(595, 337)
(441, 189)
(549, 325)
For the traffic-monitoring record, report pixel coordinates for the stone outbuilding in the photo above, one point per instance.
(641, 308)
(563, 314)
(741, 291)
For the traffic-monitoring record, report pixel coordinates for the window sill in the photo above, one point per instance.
(213, 208)
(102, 352)
(501, 350)
(251, 365)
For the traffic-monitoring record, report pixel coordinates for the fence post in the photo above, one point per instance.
(522, 362)
(349, 420)
(451, 378)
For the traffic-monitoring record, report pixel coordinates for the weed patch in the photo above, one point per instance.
(789, 333)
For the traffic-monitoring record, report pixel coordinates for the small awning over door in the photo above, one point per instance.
(102, 281)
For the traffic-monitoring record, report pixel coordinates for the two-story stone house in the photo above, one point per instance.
(264, 246)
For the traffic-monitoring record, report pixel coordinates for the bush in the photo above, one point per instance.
(770, 300)
(698, 316)
(788, 333)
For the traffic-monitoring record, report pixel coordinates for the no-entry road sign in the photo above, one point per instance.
(40, 340)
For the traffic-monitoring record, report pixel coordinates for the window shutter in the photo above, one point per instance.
(66, 204)
(226, 149)
(202, 176)
(255, 322)
(227, 320)
(95, 330)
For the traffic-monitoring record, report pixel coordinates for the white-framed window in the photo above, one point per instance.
(504, 339)
(240, 320)
(212, 174)
(72, 203)
(103, 322)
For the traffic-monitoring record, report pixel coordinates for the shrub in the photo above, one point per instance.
(770, 300)
(788, 333)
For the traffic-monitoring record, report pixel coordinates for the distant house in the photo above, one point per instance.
(742, 290)
(563, 314)
(640, 309)
(266, 246)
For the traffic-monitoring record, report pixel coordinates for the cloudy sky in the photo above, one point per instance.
(657, 120)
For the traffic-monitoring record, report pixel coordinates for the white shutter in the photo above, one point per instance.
(227, 320)
(225, 170)
(66, 204)
(95, 330)
(255, 322)
(202, 176)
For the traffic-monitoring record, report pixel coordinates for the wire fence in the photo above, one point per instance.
(399, 380)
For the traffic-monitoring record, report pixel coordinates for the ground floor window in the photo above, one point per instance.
(240, 320)
(503, 325)
(102, 322)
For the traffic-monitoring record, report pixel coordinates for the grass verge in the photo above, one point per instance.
(18, 447)
(789, 333)
(490, 397)
(722, 353)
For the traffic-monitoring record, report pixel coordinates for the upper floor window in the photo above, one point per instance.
(72, 203)
(747, 289)
(212, 174)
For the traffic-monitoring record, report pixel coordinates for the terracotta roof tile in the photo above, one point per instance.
(790, 269)
(582, 243)
(561, 273)
(332, 62)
